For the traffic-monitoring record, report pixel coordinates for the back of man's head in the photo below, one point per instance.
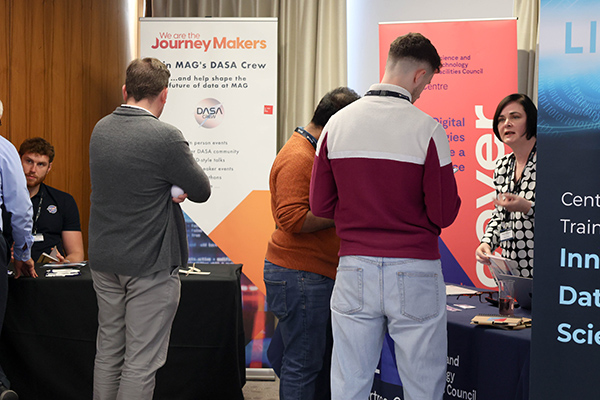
(416, 48)
(37, 145)
(331, 103)
(146, 78)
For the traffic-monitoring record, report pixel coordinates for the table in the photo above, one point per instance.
(484, 363)
(48, 340)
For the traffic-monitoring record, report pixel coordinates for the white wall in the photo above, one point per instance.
(364, 16)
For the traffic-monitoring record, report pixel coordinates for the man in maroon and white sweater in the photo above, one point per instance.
(383, 173)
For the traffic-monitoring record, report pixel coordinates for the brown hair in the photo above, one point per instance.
(417, 47)
(37, 145)
(146, 78)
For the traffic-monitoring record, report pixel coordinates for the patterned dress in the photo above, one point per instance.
(520, 246)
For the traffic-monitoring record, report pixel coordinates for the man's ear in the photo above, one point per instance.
(124, 94)
(49, 167)
(419, 75)
(164, 95)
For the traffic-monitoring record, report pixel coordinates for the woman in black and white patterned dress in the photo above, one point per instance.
(512, 223)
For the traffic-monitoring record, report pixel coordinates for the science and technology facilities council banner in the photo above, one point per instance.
(479, 68)
(566, 301)
(223, 97)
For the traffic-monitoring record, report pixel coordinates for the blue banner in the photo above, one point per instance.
(566, 327)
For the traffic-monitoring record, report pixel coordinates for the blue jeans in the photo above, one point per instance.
(408, 297)
(300, 300)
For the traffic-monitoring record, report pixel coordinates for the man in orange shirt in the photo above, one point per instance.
(302, 258)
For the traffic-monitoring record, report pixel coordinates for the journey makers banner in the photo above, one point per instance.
(479, 68)
(566, 332)
(223, 97)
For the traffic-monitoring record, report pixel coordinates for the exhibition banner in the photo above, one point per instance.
(566, 301)
(479, 68)
(223, 97)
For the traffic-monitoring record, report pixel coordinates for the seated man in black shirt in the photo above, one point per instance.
(55, 213)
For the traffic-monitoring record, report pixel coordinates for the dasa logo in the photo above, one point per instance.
(209, 113)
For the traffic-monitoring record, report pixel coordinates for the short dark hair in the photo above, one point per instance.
(417, 47)
(37, 145)
(530, 112)
(146, 78)
(331, 103)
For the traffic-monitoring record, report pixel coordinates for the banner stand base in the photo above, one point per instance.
(260, 374)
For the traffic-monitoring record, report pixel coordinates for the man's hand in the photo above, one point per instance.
(61, 258)
(180, 198)
(25, 268)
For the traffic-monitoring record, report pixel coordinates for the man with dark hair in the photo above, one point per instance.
(301, 260)
(55, 213)
(383, 172)
(137, 237)
(15, 200)
(138, 86)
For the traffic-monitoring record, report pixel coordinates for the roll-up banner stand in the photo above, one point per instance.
(223, 97)
(566, 288)
(479, 68)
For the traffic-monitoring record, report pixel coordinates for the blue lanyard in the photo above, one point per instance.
(387, 93)
(307, 135)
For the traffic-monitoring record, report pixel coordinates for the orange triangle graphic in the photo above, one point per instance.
(244, 233)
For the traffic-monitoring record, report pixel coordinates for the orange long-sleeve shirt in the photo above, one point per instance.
(289, 183)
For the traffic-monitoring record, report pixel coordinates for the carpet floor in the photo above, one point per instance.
(261, 390)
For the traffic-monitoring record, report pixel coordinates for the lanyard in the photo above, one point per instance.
(387, 93)
(307, 135)
(39, 211)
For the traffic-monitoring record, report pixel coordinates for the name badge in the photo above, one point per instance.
(39, 237)
(506, 235)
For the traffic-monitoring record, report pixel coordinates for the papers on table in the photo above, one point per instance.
(193, 271)
(65, 265)
(456, 290)
(501, 321)
(62, 272)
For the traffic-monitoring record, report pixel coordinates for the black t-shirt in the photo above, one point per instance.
(57, 213)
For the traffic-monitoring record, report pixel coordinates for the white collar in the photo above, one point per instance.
(138, 107)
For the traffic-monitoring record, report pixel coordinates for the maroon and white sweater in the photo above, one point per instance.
(383, 172)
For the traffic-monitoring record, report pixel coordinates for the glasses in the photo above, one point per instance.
(490, 295)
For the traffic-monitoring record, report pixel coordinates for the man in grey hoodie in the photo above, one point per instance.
(137, 236)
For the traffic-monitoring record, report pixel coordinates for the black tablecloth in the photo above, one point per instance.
(48, 340)
(484, 363)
